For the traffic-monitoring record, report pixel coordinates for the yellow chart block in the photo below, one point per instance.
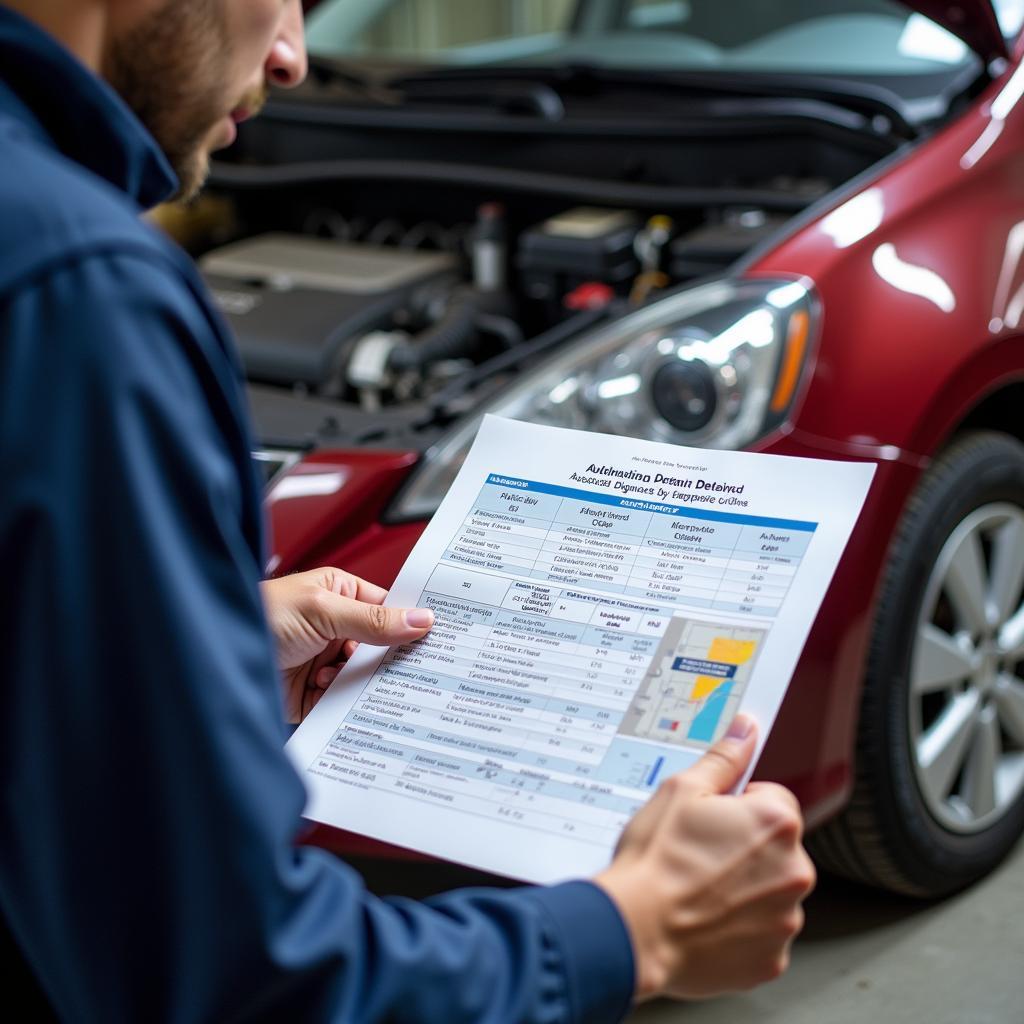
(725, 649)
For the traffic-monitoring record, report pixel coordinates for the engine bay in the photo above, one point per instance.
(402, 311)
(376, 299)
(390, 316)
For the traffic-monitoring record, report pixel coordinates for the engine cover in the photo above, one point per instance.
(297, 304)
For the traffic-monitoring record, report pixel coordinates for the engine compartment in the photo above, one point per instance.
(376, 299)
(394, 312)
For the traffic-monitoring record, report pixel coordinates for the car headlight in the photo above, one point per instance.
(714, 366)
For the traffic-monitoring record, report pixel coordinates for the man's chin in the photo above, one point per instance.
(195, 169)
(192, 175)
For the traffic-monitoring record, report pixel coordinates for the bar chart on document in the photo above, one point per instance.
(590, 639)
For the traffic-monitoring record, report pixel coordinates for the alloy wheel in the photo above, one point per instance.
(966, 692)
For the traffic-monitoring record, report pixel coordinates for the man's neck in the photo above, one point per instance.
(80, 25)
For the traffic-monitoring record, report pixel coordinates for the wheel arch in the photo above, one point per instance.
(1001, 410)
(986, 392)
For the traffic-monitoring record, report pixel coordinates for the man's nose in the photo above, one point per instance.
(286, 63)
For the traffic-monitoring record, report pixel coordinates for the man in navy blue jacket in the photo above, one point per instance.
(148, 867)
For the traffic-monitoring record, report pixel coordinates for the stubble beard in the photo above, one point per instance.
(171, 70)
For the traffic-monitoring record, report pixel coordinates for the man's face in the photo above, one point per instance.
(192, 69)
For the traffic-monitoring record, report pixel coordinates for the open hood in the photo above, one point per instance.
(974, 21)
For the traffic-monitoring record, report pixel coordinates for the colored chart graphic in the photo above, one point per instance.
(695, 683)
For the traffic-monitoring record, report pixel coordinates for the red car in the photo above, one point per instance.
(790, 227)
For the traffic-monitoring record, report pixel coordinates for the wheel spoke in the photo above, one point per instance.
(941, 750)
(1009, 778)
(979, 789)
(1007, 569)
(1011, 638)
(965, 583)
(939, 661)
(1009, 698)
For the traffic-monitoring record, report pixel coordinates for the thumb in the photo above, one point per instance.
(349, 619)
(722, 767)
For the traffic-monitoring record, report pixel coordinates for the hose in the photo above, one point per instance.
(448, 338)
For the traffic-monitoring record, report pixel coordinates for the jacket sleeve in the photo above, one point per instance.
(148, 865)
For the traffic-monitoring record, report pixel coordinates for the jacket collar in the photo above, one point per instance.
(58, 99)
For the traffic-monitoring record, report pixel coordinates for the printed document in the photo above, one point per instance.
(604, 607)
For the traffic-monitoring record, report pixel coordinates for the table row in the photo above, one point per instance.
(752, 599)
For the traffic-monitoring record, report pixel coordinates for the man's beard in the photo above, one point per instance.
(172, 70)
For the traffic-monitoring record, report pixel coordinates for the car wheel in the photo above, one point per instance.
(938, 796)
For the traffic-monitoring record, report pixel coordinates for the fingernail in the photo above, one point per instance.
(419, 618)
(740, 728)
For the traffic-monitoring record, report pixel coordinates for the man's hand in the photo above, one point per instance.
(710, 885)
(318, 618)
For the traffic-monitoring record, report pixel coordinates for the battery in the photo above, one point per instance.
(582, 244)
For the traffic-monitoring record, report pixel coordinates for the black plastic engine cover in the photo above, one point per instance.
(296, 304)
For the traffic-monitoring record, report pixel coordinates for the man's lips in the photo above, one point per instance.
(231, 122)
(249, 107)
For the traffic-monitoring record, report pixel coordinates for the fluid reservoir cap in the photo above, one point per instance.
(589, 295)
(684, 394)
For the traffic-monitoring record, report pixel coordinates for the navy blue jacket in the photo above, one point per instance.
(148, 815)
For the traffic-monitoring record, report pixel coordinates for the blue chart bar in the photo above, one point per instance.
(655, 770)
(706, 720)
(685, 511)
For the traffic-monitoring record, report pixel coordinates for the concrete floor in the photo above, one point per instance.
(868, 958)
(864, 957)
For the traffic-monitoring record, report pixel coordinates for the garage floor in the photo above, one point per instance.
(864, 957)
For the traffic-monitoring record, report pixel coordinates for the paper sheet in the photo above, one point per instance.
(604, 606)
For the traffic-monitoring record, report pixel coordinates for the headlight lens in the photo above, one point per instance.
(714, 366)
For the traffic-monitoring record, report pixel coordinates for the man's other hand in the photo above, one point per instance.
(709, 884)
(318, 618)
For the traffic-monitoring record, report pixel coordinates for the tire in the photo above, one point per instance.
(938, 798)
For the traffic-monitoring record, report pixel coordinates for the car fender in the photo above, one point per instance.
(327, 502)
(921, 279)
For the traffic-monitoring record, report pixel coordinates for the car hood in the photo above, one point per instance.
(974, 21)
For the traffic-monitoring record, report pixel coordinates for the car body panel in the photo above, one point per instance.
(941, 284)
(327, 499)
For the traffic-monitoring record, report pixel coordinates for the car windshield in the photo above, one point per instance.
(855, 37)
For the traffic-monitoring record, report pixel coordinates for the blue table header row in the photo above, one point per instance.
(535, 487)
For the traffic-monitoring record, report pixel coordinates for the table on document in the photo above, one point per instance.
(702, 558)
(550, 606)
